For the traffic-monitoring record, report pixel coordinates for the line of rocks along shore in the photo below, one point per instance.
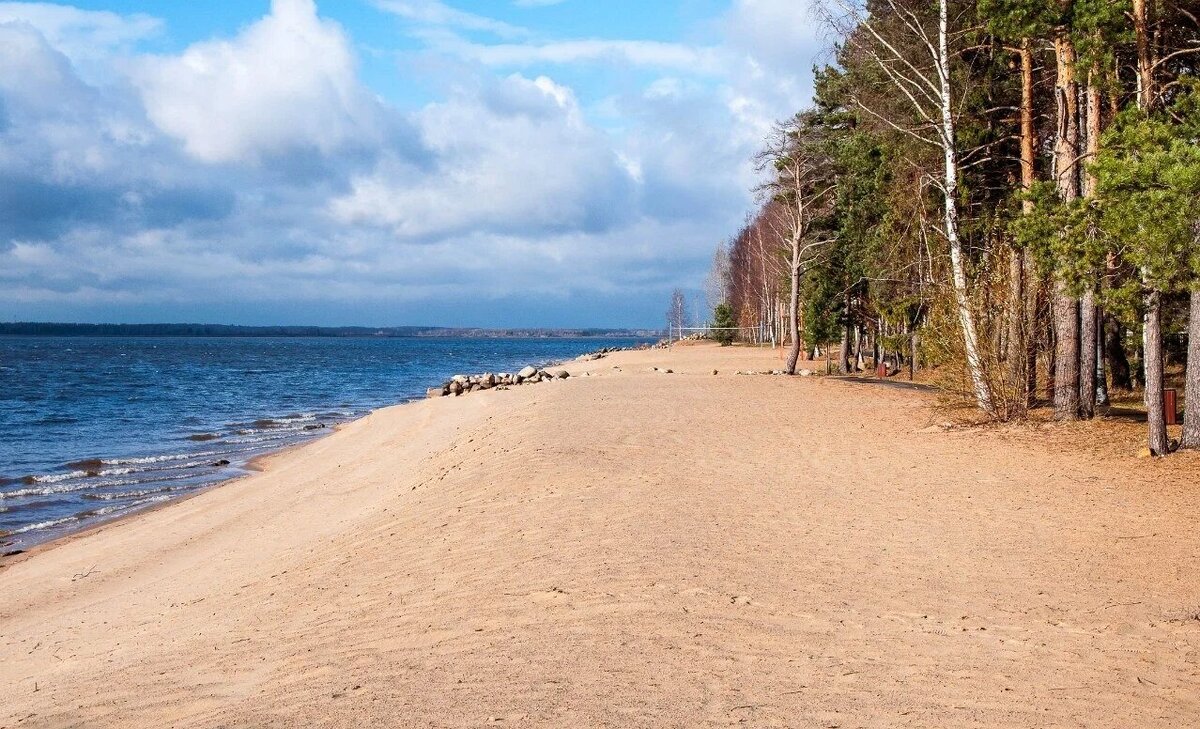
(465, 384)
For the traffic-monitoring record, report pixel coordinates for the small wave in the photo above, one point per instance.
(277, 422)
(59, 477)
(250, 440)
(159, 459)
(76, 487)
(52, 478)
(108, 510)
(45, 525)
(203, 437)
(126, 495)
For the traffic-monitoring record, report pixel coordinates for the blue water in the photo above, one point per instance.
(95, 427)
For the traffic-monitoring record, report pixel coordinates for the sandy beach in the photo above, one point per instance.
(635, 548)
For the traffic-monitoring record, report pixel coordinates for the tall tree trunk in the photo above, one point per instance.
(1022, 345)
(1101, 361)
(794, 309)
(1145, 63)
(846, 354)
(1152, 325)
(1152, 343)
(983, 394)
(914, 343)
(1066, 152)
(1088, 312)
(1088, 339)
(1191, 416)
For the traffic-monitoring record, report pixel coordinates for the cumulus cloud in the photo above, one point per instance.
(82, 35)
(289, 80)
(258, 168)
(530, 164)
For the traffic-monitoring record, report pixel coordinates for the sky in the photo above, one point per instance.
(494, 163)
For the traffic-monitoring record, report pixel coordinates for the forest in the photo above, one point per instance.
(1005, 191)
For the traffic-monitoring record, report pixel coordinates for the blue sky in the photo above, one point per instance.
(457, 162)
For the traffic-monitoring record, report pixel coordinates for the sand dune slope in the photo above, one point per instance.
(630, 549)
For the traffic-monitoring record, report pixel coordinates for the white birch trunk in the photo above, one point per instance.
(983, 396)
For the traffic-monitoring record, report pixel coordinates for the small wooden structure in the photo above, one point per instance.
(1171, 406)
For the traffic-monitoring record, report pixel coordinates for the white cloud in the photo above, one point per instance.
(517, 157)
(288, 81)
(259, 168)
(82, 35)
(638, 53)
(434, 12)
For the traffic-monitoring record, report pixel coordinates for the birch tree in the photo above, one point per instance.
(914, 53)
(802, 187)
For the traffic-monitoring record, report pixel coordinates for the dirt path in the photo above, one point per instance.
(632, 549)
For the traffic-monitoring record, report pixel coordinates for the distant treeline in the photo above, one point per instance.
(44, 329)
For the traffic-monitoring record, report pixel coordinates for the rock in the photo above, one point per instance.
(456, 388)
(805, 373)
(221, 463)
(527, 373)
(436, 392)
(460, 379)
(716, 372)
(563, 375)
(670, 372)
(489, 380)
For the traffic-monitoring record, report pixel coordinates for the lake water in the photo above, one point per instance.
(92, 428)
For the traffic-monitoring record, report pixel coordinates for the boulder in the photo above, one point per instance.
(460, 379)
(488, 380)
(563, 374)
(527, 373)
(456, 388)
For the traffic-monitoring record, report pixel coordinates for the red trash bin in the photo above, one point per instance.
(1171, 406)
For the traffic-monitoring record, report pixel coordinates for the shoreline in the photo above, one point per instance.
(252, 465)
(630, 548)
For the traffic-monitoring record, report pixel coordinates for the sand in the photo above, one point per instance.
(634, 549)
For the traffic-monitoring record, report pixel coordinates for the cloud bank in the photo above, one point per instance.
(257, 178)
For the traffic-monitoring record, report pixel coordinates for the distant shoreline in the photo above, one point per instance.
(52, 329)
